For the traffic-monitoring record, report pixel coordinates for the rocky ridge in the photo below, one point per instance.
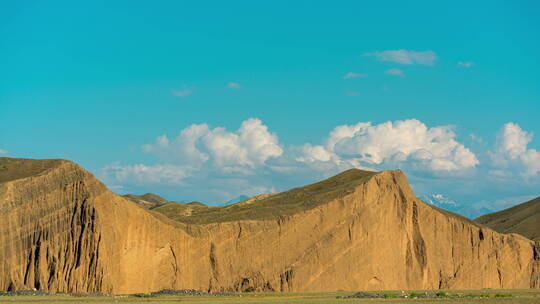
(62, 230)
(523, 219)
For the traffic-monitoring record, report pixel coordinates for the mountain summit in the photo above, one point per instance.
(62, 230)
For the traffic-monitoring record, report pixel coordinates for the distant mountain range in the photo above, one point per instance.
(152, 201)
(523, 218)
(446, 203)
(148, 200)
(441, 201)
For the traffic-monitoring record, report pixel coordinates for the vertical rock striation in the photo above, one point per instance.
(62, 230)
(50, 232)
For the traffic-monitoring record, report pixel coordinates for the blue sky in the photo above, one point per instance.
(97, 82)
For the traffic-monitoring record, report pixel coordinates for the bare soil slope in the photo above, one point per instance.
(523, 219)
(63, 230)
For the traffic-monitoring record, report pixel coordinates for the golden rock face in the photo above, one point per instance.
(62, 230)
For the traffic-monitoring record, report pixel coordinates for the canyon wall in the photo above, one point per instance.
(62, 230)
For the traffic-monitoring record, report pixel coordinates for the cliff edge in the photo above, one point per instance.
(63, 230)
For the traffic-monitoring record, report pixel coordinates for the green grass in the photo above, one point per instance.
(477, 296)
(271, 206)
(441, 294)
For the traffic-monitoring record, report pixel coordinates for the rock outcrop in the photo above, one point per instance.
(63, 230)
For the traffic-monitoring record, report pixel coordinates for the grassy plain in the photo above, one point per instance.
(486, 296)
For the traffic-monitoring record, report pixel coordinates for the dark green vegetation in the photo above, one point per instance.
(16, 168)
(523, 219)
(486, 296)
(270, 205)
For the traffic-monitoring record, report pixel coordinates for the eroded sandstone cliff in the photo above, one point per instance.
(62, 230)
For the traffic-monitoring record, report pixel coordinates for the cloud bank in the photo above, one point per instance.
(213, 164)
(408, 143)
(248, 147)
(252, 159)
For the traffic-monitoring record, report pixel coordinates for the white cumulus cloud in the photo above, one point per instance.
(408, 141)
(312, 153)
(247, 160)
(3, 152)
(251, 145)
(512, 151)
(405, 56)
